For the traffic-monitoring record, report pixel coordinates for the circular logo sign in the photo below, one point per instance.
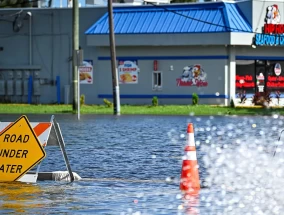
(277, 69)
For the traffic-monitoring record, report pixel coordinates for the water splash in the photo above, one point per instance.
(243, 175)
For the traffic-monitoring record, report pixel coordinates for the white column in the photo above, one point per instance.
(226, 82)
(232, 71)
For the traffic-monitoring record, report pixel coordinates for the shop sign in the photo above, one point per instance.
(277, 69)
(155, 65)
(272, 30)
(193, 75)
(86, 72)
(128, 72)
(273, 81)
(245, 81)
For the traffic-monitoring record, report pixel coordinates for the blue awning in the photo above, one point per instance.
(216, 17)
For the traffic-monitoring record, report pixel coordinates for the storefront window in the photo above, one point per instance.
(245, 77)
(260, 76)
(275, 77)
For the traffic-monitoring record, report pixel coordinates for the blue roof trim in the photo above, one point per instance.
(163, 96)
(216, 17)
(209, 57)
(259, 58)
(237, 25)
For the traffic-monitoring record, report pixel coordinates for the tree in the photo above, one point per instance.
(17, 3)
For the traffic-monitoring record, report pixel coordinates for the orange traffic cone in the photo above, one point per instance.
(189, 174)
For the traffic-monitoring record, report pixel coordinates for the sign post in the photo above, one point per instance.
(20, 150)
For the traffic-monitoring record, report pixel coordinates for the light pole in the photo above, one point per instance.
(115, 85)
(75, 63)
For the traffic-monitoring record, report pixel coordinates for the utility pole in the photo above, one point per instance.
(115, 85)
(75, 63)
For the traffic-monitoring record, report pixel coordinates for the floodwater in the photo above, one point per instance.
(132, 164)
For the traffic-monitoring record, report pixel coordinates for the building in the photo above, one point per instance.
(215, 49)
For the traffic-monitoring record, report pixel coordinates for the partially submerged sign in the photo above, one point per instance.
(20, 150)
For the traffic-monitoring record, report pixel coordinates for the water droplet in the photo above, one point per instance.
(197, 143)
(275, 116)
(178, 196)
(168, 179)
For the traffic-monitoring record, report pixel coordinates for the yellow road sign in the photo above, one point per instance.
(20, 150)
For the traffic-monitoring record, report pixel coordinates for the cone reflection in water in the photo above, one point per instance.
(189, 173)
(191, 203)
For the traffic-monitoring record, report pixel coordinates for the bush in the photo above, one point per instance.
(155, 101)
(107, 103)
(262, 99)
(195, 99)
(232, 103)
(82, 99)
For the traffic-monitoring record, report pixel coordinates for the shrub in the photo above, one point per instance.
(260, 99)
(155, 101)
(232, 103)
(195, 99)
(82, 99)
(107, 103)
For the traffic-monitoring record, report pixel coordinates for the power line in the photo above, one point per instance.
(206, 22)
(164, 8)
(199, 20)
(9, 15)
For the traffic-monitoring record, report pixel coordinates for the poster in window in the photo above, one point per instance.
(277, 69)
(86, 72)
(128, 71)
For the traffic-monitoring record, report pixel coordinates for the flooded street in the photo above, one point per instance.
(132, 165)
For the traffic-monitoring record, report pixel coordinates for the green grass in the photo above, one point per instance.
(151, 110)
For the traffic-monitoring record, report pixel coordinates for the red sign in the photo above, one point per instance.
(275, 81)
(155, 65)
(272, 19)
(275, 84)
(245, 78)
(273, 78)
(245, 81)
(245, 85)
(190, 83)
(273, 28)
